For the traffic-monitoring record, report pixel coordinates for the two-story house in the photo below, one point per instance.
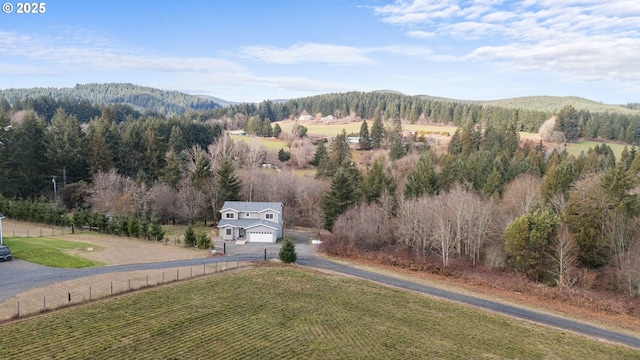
(251, 221)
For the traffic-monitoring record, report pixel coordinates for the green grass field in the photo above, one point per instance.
(584, 145)
(288, 313)
(270, 144)
(50, 252)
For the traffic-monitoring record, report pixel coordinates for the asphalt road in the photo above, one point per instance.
(18, 276)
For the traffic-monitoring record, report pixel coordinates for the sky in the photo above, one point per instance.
(253, 50)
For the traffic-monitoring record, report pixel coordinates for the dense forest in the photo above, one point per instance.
(489, 200)
(139, 98)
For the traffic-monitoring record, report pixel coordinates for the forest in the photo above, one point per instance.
(489, 201)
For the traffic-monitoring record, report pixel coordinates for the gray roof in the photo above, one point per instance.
(245, 206)
(247, 223)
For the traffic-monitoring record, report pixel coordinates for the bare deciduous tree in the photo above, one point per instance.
(164, 202)
(192, 202)
(302, 152)
(364, 226)
(110, 192)
(564, 257)
(521, 194)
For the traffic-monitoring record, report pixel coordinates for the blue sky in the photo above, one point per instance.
(251, 50)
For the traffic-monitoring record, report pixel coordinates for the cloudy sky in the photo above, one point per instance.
(251, 50)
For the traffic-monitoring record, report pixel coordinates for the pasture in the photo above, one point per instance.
(286, 312)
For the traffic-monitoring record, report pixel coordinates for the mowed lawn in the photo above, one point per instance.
(284, 312)
(51, 252)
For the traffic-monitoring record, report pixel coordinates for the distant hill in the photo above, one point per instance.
(549, 104)
(139, 97)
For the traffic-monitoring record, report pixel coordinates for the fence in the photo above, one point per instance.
(82, 290)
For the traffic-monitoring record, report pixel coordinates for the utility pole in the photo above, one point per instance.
(53, 180)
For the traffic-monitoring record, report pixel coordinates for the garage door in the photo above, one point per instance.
(260, 237)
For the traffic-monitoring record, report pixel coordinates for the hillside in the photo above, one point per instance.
(548, 104)
(140, 97)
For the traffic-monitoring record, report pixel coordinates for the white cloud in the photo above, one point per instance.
(583, 40)
(307, 53)
(95, 54)
(419, 34)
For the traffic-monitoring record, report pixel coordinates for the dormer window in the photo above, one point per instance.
(268, 216)
(230, 216)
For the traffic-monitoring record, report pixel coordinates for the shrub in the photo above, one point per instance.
(204, 241)
(288, 251)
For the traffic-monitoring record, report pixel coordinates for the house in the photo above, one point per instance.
(251, 221)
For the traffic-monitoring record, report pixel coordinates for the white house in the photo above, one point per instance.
(251, 221)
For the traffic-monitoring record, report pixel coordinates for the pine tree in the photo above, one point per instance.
(422, 180)
(203, 241)
(377, 133)
(276, 130)
(283, 155)
(155, 230)
(569, 123)
(376, 181)
(321, 153)
(228, 184)
(288, 251)
(344, 192)
(190, 237)
(365, 141)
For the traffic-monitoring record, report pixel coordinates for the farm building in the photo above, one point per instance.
(251, 221)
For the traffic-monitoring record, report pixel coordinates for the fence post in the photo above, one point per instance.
(18, 308)
(265, 254)
(27, 232)
(224, 248)
(177, 274)
(44, 303)
(112, 288)
(191, 269)
(163, 277)
(40, 232)
(204, 269)
(147, 280)
(69, 297)
(129, 284)
(89, 292)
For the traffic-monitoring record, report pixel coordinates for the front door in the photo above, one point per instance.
(241, 233)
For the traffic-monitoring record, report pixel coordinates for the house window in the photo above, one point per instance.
(229, 232)
(246, 214)
(230, 216)
(268, 216)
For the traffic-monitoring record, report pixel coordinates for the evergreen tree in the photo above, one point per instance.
(376, 181)
(133, 226)
(283, 155)
(228, 184)
(155, 230)
(203, 241)
(321, 153)
(276, 130)
(288, 251)
(569, 123)
(190, 237)
(365, 141)
(528, 241)
(377, 133)
(344, 192)
(422, 180)
(172, 173)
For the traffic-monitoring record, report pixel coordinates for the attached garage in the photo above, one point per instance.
(261, 233)
(264, 237)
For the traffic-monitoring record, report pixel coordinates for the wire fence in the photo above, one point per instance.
(84, 290)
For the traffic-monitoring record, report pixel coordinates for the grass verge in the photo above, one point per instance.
(51, 252)
(289, 313)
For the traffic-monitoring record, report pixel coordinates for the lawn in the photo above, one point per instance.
(277, 312)
(271, 144)
(51, 252)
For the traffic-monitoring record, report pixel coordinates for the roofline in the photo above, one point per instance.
(263, 210)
